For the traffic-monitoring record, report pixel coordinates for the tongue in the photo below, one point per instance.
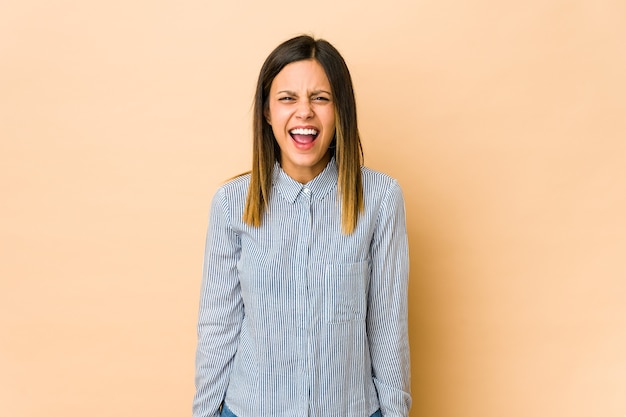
(303, 138)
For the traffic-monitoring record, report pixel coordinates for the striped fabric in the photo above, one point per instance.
(298, 319)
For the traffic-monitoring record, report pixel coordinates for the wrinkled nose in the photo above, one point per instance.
(305, 110)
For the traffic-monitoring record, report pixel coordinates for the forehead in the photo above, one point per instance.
(308, 74)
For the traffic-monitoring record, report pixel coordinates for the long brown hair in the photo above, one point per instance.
(347, 151)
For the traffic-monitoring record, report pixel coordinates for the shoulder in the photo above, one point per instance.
(234, 187)
(383, 195)
(231, 195)
(381, 192)
(376, 181)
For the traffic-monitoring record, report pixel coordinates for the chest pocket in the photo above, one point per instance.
(345, 292)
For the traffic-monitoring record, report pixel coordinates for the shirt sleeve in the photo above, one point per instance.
(387, 316)
(221, 311)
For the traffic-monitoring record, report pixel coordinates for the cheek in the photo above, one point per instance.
(276, 117)
(329, 117)
(331, 123)
(278, 136)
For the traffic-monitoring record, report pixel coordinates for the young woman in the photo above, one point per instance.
(303, 309)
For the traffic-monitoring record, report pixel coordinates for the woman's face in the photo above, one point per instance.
(301, 112)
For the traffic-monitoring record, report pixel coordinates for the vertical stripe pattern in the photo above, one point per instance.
(298, 319)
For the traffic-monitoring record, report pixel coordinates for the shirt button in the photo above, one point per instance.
(306, 191)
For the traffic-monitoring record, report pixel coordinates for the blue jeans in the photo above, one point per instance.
(227, 413)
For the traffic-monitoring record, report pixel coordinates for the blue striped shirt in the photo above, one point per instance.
(296, 318)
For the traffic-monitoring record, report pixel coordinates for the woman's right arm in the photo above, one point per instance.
(221, 311)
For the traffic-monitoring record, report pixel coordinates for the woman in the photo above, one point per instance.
(303, 309)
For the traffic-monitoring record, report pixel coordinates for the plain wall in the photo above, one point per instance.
(503, 121)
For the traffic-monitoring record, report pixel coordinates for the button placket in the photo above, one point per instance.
(305, 225)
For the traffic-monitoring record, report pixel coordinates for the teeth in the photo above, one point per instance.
(301, 131)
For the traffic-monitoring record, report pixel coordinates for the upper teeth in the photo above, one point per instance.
(301, 131)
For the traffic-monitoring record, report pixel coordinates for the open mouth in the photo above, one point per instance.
(304, 136)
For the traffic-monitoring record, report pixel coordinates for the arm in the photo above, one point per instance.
(221, 311)
(387, 326)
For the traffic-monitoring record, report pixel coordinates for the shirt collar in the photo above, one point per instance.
(319, 186)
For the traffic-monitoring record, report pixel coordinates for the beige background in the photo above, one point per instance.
(503, 121)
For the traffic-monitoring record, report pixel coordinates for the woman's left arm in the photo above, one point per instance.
(387, 315)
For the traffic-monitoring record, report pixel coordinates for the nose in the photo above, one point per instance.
(305, 110)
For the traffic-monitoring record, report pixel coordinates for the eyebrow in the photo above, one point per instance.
(293, 93)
